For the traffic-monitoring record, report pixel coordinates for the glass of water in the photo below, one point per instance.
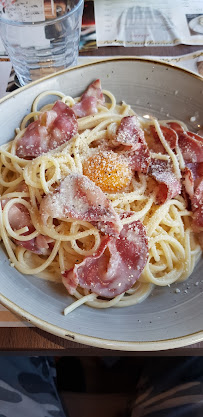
(41, 36)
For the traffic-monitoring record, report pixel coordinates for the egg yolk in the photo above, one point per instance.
(108, 170)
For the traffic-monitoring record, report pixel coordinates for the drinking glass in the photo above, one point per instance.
(41, 36)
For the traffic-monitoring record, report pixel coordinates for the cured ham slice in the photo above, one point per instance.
(168, 185)
(77, 197)
(191, 144)
(94, 90)
(192, 174)
(195, 136)
(193, 182)
(139, 159)
(188, 182)
(19, 217)
(131, 137)
(197, 208)
(52, 129)
(179, 129)
(89, 100)
(176, 126)
(129, 132)
(64, 127)
(170, 136)
(116, 265)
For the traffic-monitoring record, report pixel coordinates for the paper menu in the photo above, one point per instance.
(149, 23)
(24, 11)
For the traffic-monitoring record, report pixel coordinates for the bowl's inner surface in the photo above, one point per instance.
(150, 88)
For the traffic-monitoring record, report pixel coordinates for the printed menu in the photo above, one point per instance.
(149, 22)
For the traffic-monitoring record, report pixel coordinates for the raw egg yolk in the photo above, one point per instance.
(108, 170)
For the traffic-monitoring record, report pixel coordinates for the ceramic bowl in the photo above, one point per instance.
(167, 319)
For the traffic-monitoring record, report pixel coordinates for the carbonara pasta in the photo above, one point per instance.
(85, 158)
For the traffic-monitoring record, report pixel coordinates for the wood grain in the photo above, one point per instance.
(140, 51)
(33, 340)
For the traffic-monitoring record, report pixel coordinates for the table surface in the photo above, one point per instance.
(30, 340)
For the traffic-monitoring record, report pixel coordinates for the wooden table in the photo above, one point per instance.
(31, 340)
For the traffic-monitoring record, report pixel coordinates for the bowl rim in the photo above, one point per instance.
(150, 346)
(100, 61)
(147, 346)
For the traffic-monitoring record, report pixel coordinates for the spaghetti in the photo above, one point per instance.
(98, 151)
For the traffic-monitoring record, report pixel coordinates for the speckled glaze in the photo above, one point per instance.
(167, 319)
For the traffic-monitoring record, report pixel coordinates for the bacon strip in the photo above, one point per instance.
(188, 181)
(197, 208)
(191, 146)
(115, 267)
(170, 136)
(192, 175)
(190, 143)
(79, 198)
(168, 185)
(193, 181)
(131, 137)
(175, 126)
(19, 217)
(129, 132)
(89, 100)
(52, 129)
